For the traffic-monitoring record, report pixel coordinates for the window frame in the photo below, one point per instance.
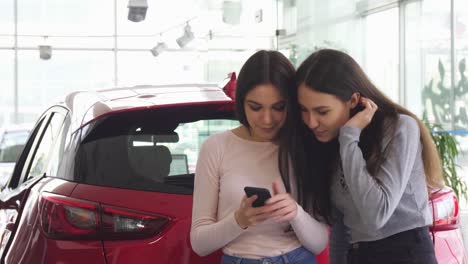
(20, 175)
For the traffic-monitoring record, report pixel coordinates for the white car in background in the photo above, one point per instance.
(12, 140)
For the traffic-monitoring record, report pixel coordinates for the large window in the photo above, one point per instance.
(461, 80)
(44, 82)
(324, 24)
(6, 86)
(94, 46)
(461, 57)
(61, 23)
(7, 25)
(436, 61)
(413, 82)
(381, 51)
(415, 51)
(142, 68)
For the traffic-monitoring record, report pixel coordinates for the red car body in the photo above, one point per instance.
(80, 190)
(445, 230)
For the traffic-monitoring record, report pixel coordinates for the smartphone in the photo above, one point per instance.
(263, 194)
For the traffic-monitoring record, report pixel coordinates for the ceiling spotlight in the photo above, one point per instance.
(160, 47)
(186, 37)
(45, 52)
(137, 10)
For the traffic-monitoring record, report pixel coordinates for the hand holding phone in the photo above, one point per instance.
(263, 194)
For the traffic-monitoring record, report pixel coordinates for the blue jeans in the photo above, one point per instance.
(298, 256)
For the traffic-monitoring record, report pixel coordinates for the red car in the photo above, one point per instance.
(107, 177)
(445, 230)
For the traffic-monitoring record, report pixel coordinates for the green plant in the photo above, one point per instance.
(447, 146)
(439, 100)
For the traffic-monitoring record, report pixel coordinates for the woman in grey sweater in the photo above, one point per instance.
(364, 164)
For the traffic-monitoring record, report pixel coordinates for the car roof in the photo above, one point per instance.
(87, 106)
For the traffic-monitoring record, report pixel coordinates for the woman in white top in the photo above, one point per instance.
(223, 217)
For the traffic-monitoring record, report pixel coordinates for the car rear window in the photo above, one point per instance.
(149, 150)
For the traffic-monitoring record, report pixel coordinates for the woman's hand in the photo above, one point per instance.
(284, 207)
(281, 206)
(247, 215)
(364, 117)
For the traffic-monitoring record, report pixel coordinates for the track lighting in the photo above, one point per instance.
(137, 10)
(45, 52)
(158, 49)
(186, 37)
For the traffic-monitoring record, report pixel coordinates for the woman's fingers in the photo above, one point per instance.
(364, 117)
(369, 104)
(281, 207)
(248, 201)
(277, 198)
(287, 217)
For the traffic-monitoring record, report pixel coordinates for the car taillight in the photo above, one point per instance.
(122, 224)
(63, 217)
(444, 208)
(72, 219)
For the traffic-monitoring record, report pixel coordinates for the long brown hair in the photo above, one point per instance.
(334, 72)
(266, 67)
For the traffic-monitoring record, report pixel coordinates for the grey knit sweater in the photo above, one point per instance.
(368, 209)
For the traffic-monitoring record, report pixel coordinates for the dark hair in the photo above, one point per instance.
(335, 72)
(263, 67)
(266, 67)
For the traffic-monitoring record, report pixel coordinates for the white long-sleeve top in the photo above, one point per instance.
(226, 164)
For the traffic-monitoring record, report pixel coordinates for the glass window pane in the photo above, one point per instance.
(461, 79)
(436, 61)
(461, 57)
(7, 26)
(7, 86)
(147, 152)
(7, 17)
(192, 136)
(381, 53)
(326, 24)
(57, 151)
(177, 67)
(413, 54)
(6, 40)
(66, 18)
(43, 82)
(44, 153)
(136, 68)
(219, 64)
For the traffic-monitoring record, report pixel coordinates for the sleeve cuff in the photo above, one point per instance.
(234, 226)
(349, 133)
(299, 215)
